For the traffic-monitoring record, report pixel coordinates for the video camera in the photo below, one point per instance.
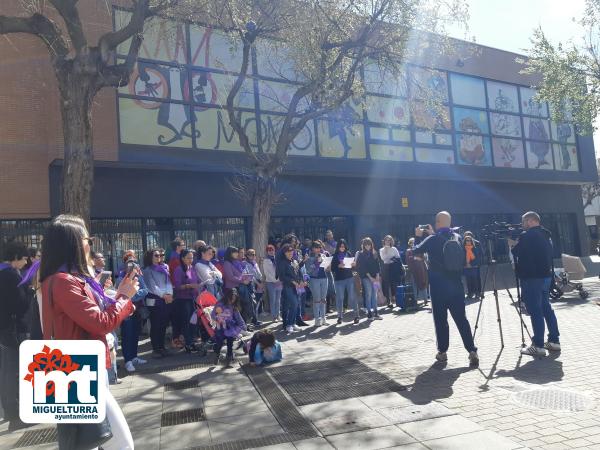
(502, 230)
(131, 266)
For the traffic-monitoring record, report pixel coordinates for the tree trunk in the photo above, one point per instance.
(78, 170)
(262, 205)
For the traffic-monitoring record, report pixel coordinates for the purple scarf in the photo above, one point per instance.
(161, 268)
(97, 290)
(30, 273)
(4, 266)
(239, 265)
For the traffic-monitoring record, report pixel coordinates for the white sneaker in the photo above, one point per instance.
(296, 328)
(532, 350)
(290, 329)
(137, 360)
(552, 346)
(129, 366)
(245, 333)
(318, 322)
(324, 322)
(441, 356)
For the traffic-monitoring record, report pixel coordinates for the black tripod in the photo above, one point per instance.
(492, 268)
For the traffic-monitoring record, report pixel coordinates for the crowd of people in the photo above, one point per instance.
(212, 298)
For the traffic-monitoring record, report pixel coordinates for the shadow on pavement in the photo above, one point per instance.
(434, 383)
(537, 371)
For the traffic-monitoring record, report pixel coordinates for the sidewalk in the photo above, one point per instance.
(374, 385)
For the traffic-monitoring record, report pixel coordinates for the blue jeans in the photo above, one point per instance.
(447, 294)
(342, 286)
(290, 306)
(370, 294)
(536, 293)
(130, 328)
(274, 292)
(318, 288)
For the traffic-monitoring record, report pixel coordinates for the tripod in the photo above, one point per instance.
(492, 268)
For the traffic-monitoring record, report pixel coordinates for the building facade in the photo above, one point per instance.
(385, 165)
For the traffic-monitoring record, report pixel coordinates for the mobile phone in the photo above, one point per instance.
(104, 275)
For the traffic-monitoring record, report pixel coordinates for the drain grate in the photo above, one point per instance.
(37, 437)
(284, 410)
(180, 385)
(174, 368)
(554, 399)
(325, 381)
(180, 417)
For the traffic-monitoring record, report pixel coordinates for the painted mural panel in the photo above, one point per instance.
(467, 91)
(508, 152)
(394, 111)
(303, 145)
(470, 121)
(563, 132)
(502, 97)
(276, 97)
(391, 152)
(164, 40)
(434, 155)
(428, 83)
(156, 81)
(430, 117)
(340, 136)
(539, 155)
(530, 106)
(213, 89)
(158, 124)
(565, 156)
(273, 61)
(473, 150)
(401, 134)
(212, 49)
(381, 81)
(537, 129)
(505, 124)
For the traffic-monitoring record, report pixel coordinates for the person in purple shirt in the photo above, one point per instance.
(237, 276)
(185, 289)
(229, 323)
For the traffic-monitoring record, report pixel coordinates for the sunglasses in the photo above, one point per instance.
(156, 255)
(251, 254)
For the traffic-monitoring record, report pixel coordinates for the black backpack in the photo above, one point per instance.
(453, 254)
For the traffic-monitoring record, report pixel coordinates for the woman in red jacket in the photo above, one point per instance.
(74, 305)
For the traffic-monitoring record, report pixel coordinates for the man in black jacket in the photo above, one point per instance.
(13, 329)
(533, 262)
(447, 292)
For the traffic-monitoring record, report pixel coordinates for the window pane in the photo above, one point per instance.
(536, 129)
(539, 156)
(340, 134)
(563, 132)
(391, 152)
(387, 110)
(428, 83)
(384, 82)
(435, 155)
(505, 124)
(470, 121)
(508, 153)
(215, 133)
(155, 81)
(277, 96)
(503, 97)
(530, 106)
(473, 150)
(302, 145)
(431, 117)
(212, 49)
(468, 91)
(565, 156)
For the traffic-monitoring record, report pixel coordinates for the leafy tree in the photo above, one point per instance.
(82, 69)
(321, 47)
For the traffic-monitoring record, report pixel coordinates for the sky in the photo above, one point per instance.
(509, 25)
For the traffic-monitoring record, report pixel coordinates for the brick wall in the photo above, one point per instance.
(30, 123)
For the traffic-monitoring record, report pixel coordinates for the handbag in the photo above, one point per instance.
(78, 436)
(358, 287)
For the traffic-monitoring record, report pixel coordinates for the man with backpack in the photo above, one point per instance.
(446, 262)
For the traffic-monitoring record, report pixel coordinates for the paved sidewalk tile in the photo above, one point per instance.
(313, 444)
(439, 427)
(183, 436)
(351, 422)
(405, 414)
(473, 441)
(376, 438)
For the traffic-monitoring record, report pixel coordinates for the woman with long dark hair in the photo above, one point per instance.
(289, 274)
(237, 276)
(344, 282)
(367, 266)
(186, 285)
(388, 254)
(74, 305)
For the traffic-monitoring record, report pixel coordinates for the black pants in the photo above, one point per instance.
(219, 339)
(9, 382)
(386, 283)
(247, 302)
(159, 317)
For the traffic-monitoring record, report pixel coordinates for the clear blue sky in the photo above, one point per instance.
(509, 24)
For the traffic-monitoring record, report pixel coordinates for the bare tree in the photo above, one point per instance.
(82, 69)
(321, 48)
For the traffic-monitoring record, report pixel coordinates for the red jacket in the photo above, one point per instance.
(76, 314)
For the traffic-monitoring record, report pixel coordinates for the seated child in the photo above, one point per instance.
(228, 323)
(264, 348)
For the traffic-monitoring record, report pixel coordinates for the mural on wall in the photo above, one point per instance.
(508, 153)
(503, 97)
(505, 124)
(177, 91)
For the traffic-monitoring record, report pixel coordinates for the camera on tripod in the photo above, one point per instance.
(502, 230)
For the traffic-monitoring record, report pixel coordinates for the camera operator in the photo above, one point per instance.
(533, 262)
(446, 263)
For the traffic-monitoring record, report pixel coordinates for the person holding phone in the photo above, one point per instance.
(159, 298)
(75, 307)
(186, 287)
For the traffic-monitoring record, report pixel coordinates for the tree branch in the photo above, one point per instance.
(70, 14)
(38, 25)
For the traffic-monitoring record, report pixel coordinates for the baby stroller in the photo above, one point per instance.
(205, 302)
(569, 278)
